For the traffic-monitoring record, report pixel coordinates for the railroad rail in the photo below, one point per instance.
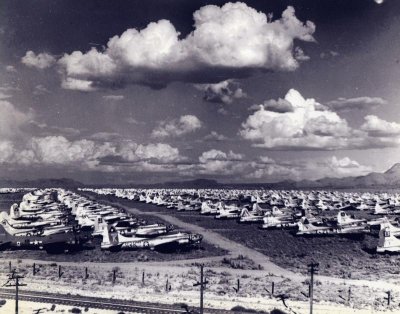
(101, 303)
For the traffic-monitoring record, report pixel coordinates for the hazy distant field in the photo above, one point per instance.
(338, 256)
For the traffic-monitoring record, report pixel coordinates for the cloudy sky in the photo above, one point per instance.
(150, 91)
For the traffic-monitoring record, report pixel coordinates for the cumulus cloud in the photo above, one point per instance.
(299, 54)
(336, 167)
(234, 165)
(227, 42)
(215, 136)
(223, 92)
(377, 127)
(112, 154)
(76, 84)
(40, 90)
(36, 128)
(215, 154)
(299, 123)
(310, 169)
(177, 127)
(132, 120)
(160, 152)
(11, 69)
(222, 111)
(113, 97)
(357, 103)
(87, 154)
(105, 136)
(4, 95)
(329, 54)
(11, 155)
(12, 119)
(59, 150)
(218, 162)
(40, 61)
(54, 150)
(267, 160)
(271, 170)
(280, 105)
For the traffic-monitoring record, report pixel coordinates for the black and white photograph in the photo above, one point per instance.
(199, 156)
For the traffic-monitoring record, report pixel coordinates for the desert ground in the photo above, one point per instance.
(241, 268)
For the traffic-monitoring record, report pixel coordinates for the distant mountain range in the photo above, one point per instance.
(388, 179)
(41, 183)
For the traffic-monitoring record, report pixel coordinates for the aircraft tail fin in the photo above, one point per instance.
(110, 236)
(387, 241)
(245, 212)
(14, 211)
(4, 217)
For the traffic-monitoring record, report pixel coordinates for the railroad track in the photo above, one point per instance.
(101, 303)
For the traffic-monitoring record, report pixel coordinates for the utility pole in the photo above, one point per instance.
(313, 268)
(202, 283)
(389, 297)
(13, 281)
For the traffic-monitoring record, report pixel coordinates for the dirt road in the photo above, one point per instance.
(236, 249)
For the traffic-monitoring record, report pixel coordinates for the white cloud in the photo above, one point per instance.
(357, 103)
(380, 128)
(7, 151)
(300, 55)
(335, 167)
(222, 111)
(35, 128)
(132, 120)
(105, 136)
(11, 69)
(223, 92)
(215, 136)
(11, 155)
(311, 169)
(161, 152)
(4, 95)
(298, 123)
(301, 126)
(76, 84)
(231, 41)
(267, 160)
(271, 170)
(12, 119)
(40, 90)
(280, 106)
(86, 154)
(113, 97)
(329, 54)
(59, 150)
(41, 61)
(215, 154)
(218, 162)
(177, 127)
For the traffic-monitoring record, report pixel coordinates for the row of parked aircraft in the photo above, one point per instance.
(56, 219)
(15, 190)
(41, 222)
(308, 213)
